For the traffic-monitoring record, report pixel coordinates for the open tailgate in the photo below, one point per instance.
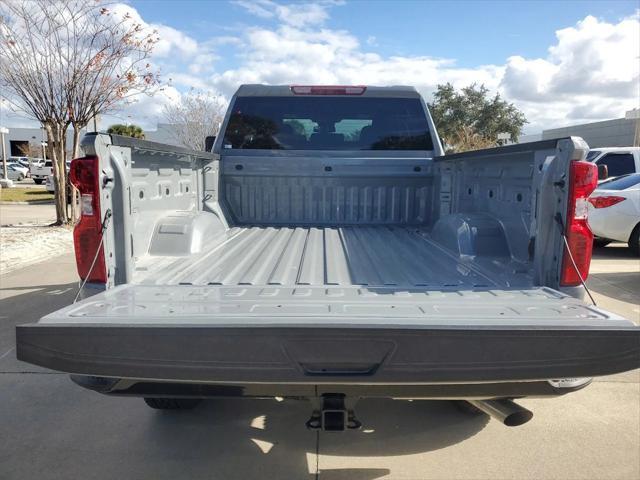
(275, 334)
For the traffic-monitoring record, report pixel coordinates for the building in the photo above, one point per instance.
(19, 140)
(619, 132)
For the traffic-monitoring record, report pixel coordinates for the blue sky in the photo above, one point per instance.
(561, 62)
(472, 32)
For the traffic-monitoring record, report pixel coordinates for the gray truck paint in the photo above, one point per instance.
(333, 267)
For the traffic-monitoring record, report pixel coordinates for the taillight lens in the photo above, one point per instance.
(606, 201)
(328, 89)
(583, 180)
(85, 176)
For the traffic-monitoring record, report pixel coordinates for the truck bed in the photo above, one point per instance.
(382, 256)
(283, 268)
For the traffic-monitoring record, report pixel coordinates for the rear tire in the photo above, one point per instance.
(634, 241)
(172, 403)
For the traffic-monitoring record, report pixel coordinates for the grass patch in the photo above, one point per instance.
(28, 195)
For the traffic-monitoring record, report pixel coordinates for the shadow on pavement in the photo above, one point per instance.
(623, 286)
(54, 429)
(614, 251)
(400, 427)
(22, 304)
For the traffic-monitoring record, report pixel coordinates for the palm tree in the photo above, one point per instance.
(126, 130)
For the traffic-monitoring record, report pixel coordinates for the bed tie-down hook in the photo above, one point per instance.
(106, 179)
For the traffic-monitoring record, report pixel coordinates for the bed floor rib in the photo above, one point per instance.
(388, 256)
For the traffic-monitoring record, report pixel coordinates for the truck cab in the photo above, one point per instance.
(618, 160)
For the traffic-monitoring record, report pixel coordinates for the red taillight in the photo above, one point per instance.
(583, 180)
(87, 235)
(605, 201)
(328, 89)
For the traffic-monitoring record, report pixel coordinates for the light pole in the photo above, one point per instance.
(4, 130)
(44, 150)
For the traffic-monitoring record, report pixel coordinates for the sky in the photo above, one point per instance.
(561, 62)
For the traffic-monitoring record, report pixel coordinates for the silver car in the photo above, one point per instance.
(14, 171)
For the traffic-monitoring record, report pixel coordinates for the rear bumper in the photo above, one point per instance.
(331, 355)
(469, 391)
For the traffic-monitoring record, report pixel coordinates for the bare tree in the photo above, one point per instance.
(64, 62)
(195, 116)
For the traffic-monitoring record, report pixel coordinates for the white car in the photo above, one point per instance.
(50, 186)
(614, 211)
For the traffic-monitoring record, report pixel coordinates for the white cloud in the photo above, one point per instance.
(295, 14)
(592, 58)
(171, 41)
(146, 111)
(291, 55)
(591, 71)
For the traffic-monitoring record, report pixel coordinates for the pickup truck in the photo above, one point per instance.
(618, 160)
(326, 249)
(41, 171)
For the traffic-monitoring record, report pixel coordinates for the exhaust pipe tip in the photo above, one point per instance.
(516, 419)
(505, 411)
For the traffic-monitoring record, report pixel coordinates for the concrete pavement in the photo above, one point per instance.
(52, 429)
(27, 214)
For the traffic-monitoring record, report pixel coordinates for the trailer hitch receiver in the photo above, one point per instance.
(333, 413)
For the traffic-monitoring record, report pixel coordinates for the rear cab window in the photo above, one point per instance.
(327, 123)
(618, 163)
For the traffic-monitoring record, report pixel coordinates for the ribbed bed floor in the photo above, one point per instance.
(371, 256)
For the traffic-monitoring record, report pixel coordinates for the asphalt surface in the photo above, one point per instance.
(51, 429)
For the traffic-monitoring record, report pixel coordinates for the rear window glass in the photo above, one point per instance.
(327, 123)
(618, 163)
(621, 183)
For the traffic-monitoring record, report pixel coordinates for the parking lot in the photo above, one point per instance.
(52, 429)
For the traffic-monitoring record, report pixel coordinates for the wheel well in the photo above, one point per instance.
(635, 229)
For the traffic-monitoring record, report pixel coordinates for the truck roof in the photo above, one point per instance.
(260, 90)
(616, 149)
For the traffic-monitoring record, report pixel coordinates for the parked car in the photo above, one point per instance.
(618, 160)
(35, 162)
(327, 249)
(22, 161)
(51, 187)
(15, 171)
(614, 211)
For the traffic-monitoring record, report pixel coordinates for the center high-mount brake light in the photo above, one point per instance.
(606, 201)
(328, 89)
(87, 235)
(583, 180)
